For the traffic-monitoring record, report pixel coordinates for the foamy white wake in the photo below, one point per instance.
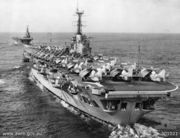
(138, 131)
(2, 81)
(16, 67)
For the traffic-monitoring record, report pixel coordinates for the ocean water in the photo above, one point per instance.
(27, 111)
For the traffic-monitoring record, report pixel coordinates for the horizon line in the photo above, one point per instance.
(102, 32)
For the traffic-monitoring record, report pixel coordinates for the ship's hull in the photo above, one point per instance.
(128, 116)
(25, 41)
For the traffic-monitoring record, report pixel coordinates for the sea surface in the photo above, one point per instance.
(26, 111)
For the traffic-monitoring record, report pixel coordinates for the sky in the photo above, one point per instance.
(119, 16)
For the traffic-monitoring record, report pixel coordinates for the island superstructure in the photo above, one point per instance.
(97, 86)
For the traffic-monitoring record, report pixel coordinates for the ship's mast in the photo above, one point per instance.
(139, 56)
(79, 22)
(27, 32)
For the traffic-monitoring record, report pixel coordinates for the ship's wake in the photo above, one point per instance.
(2, 81)
(136, 131)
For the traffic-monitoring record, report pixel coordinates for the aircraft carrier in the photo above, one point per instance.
(24, 40)
(96, 86)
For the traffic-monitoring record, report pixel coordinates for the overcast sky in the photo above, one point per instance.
(138, 16)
